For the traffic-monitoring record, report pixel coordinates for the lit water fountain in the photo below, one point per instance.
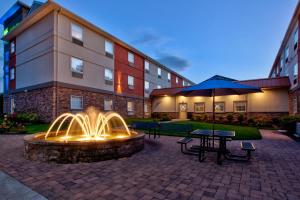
(84, 137)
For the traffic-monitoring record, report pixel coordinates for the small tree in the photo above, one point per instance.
(229, 118)
(240, 118)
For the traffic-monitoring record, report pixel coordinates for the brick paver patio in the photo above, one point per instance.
(160, 171)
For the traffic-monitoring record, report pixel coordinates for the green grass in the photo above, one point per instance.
(35, 128)
(241, 132)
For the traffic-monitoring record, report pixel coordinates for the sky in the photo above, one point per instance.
(196, 38)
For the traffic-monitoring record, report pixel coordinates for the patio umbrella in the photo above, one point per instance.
(218, 86)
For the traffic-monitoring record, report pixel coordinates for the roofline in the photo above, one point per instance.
(257, 79)
(287, 34)
(51, 6)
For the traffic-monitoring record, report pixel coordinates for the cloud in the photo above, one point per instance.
(173, 61)
(146, 38)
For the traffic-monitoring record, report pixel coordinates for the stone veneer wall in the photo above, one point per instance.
(43, 102)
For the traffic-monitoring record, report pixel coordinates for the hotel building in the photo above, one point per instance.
(56, 62)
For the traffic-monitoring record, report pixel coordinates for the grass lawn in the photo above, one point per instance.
(241, 132)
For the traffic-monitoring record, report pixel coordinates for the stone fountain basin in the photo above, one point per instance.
(38, 149)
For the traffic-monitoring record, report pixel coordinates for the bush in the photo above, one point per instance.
(26, 118)
(241, 118)
(164, 117)
(229, 118)
(289, 123)
(251, 122)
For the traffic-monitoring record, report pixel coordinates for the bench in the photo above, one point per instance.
(183, 142)
(248, 147)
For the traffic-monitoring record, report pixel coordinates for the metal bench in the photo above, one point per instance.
(248, 147)
(183, 142)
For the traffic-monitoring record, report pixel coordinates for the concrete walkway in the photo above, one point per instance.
(11, 189)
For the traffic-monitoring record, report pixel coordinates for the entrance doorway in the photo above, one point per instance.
(182, 110)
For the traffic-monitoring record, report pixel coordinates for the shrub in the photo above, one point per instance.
(276, 121)
(164, 117)
(26, 117)
(289, 123)
(251, 122)
(229, 118)
(240, 118)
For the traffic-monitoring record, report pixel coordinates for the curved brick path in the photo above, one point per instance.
(162, 172)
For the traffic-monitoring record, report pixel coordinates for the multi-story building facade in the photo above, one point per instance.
(59, 62)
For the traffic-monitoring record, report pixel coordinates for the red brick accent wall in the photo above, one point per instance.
(123, 68)
(173, 81)
(12, 64)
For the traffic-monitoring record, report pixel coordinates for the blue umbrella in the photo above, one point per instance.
(218, 86)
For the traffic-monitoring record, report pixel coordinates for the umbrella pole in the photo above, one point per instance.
(213, 118)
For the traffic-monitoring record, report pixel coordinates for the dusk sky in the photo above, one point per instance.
(198, 39)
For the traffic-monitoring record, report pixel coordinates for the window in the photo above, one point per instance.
(109, 48)
(281, 65)
(219, 106)
(295, 105)
(147, 66)
(240, 106)
(147, 86)
(130, 82)
(130, 57)
(286, 53)
(295, 73)
(76, 103)
(12, 47)
(176, 80)
(296, 39)
(77, 32)
(159, 72)
(183, 83)
(76, 66)
(189, 84)
(108, 76)
(200, 107)
(146, 109)
(158, 86)
(12, 74)
(130, 107)
(169, 77)
(108, 105)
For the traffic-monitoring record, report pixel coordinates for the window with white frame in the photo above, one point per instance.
(169, 76)
(286, 54)
(240, 106)
(146, 108)
(159, 72)
(147, 86)
(183, 83)
(158, 86)
(130, 107)
(296, 39)
(295, 105)
(295, 73)
(130, 57)
(12, 47)
(189, 84)
(76, 65)
(219, 106)
(108, 76)
(147, 66)
(281, 65)
(108, 104)
(109, 48)
(200, 107)
(130, 82)
(76, 102)
(176, 80)
(12, 74)
(77, 32)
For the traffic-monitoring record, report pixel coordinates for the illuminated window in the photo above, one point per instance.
(158, 86)
(77, 32)
(130, 107)
(169, 77)
(295, 73)
(147, 86)
(240, 106)
(130, 57)
(219, 106)
(183, 83)
(76, 65)
(76, 102)
(12, 74)
(296, 39)
(108, 105)
(131, 82)
(200, 107)
(12, 47)
(159, 72)
(176, 79)
(109, 48)
(147, 66)
(108, 74)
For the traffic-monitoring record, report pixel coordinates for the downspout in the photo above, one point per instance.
(56, 65)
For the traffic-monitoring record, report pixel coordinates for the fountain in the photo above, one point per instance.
(84, 137)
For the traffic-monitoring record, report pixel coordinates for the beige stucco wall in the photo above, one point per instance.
(92, 53)
(275, 100)
(34, 49)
